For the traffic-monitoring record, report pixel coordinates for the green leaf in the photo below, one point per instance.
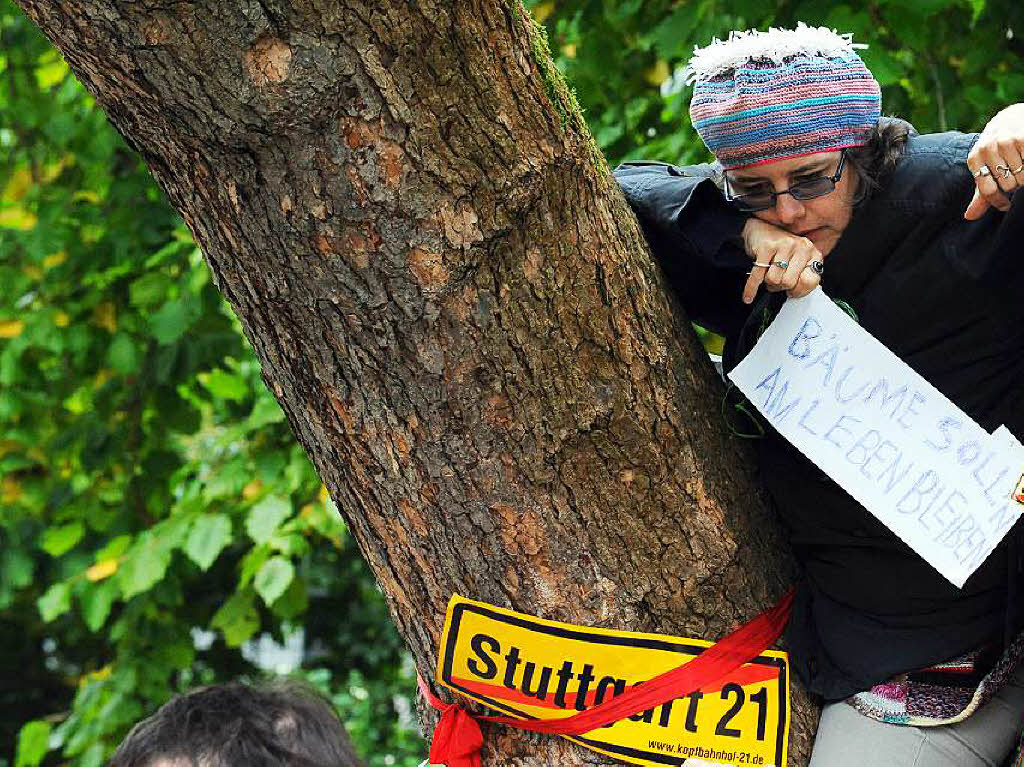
(209, 535)
(1010, 86)
(920, 9)
(96, 603)
(673, 36)
(16, 463)
(177, 412)
(885, 67)
(93, 756)
(141, 572)
(293, 602)
(270, 465)
(59, 540)
(51, 73)
(979, 96)
(273, 578)
(227, 480)
(144, 566)
(297, 470)
(180, 654)
(149, 289)
(123, 355)
(844, 18)
(977, 8)
(252, 562)
(55, 602)
(33, 743)
(60, 128)
(15, 568)
(164, 362)
(265, 411)
(114, 548)
(173, 319)
(266, 516)
(237, 618)
(226, 386)
(292, 545)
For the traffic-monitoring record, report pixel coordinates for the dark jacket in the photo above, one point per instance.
(941, 293)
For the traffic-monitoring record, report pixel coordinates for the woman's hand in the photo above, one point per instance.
(997, 162)
(770, 247)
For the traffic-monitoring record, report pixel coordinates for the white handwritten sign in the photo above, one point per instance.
(884, 434)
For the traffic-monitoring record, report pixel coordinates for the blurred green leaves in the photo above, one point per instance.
(149, 486)
(171, 320)
(941, 63)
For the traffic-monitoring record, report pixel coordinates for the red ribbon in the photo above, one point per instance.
(457, 738)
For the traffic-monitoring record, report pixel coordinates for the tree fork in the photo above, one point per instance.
(454, 307)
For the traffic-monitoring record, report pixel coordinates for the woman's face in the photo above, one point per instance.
(821, 220)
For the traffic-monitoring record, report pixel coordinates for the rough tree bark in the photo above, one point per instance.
(453, 305)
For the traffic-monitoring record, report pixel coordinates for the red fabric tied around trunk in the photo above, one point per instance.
(457, 738)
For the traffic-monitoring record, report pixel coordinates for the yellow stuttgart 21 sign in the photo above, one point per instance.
(539, 669)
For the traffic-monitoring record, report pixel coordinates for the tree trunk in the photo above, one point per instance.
(453, 305)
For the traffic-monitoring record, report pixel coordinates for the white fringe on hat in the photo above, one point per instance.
(775, 45)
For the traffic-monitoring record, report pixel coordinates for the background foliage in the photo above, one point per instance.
(155, 512)
(942, 64)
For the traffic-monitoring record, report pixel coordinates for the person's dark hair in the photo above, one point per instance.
(879, 157)
(280, 724)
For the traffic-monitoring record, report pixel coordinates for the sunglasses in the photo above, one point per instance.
(763, 199)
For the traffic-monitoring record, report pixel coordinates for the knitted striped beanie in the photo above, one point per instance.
(759, 97)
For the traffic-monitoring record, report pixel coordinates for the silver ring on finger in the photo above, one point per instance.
(1015, 171)
(763, 266)
(984, 170)
(781, 264)
(1004, 170)
(817, 267)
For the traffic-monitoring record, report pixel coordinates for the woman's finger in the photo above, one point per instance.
(1004, 152)
(770, 247)
(775, 276)
(809, 280)
(990, 174)
(1010, 149)
(754, 280)
(987, 187)
(977, 206)
(801, 253)
(791, 276)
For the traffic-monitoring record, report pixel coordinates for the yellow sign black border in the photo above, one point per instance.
(457, 609)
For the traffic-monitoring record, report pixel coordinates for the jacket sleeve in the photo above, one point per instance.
(695, 236)
(990, 250)
(986, 251)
